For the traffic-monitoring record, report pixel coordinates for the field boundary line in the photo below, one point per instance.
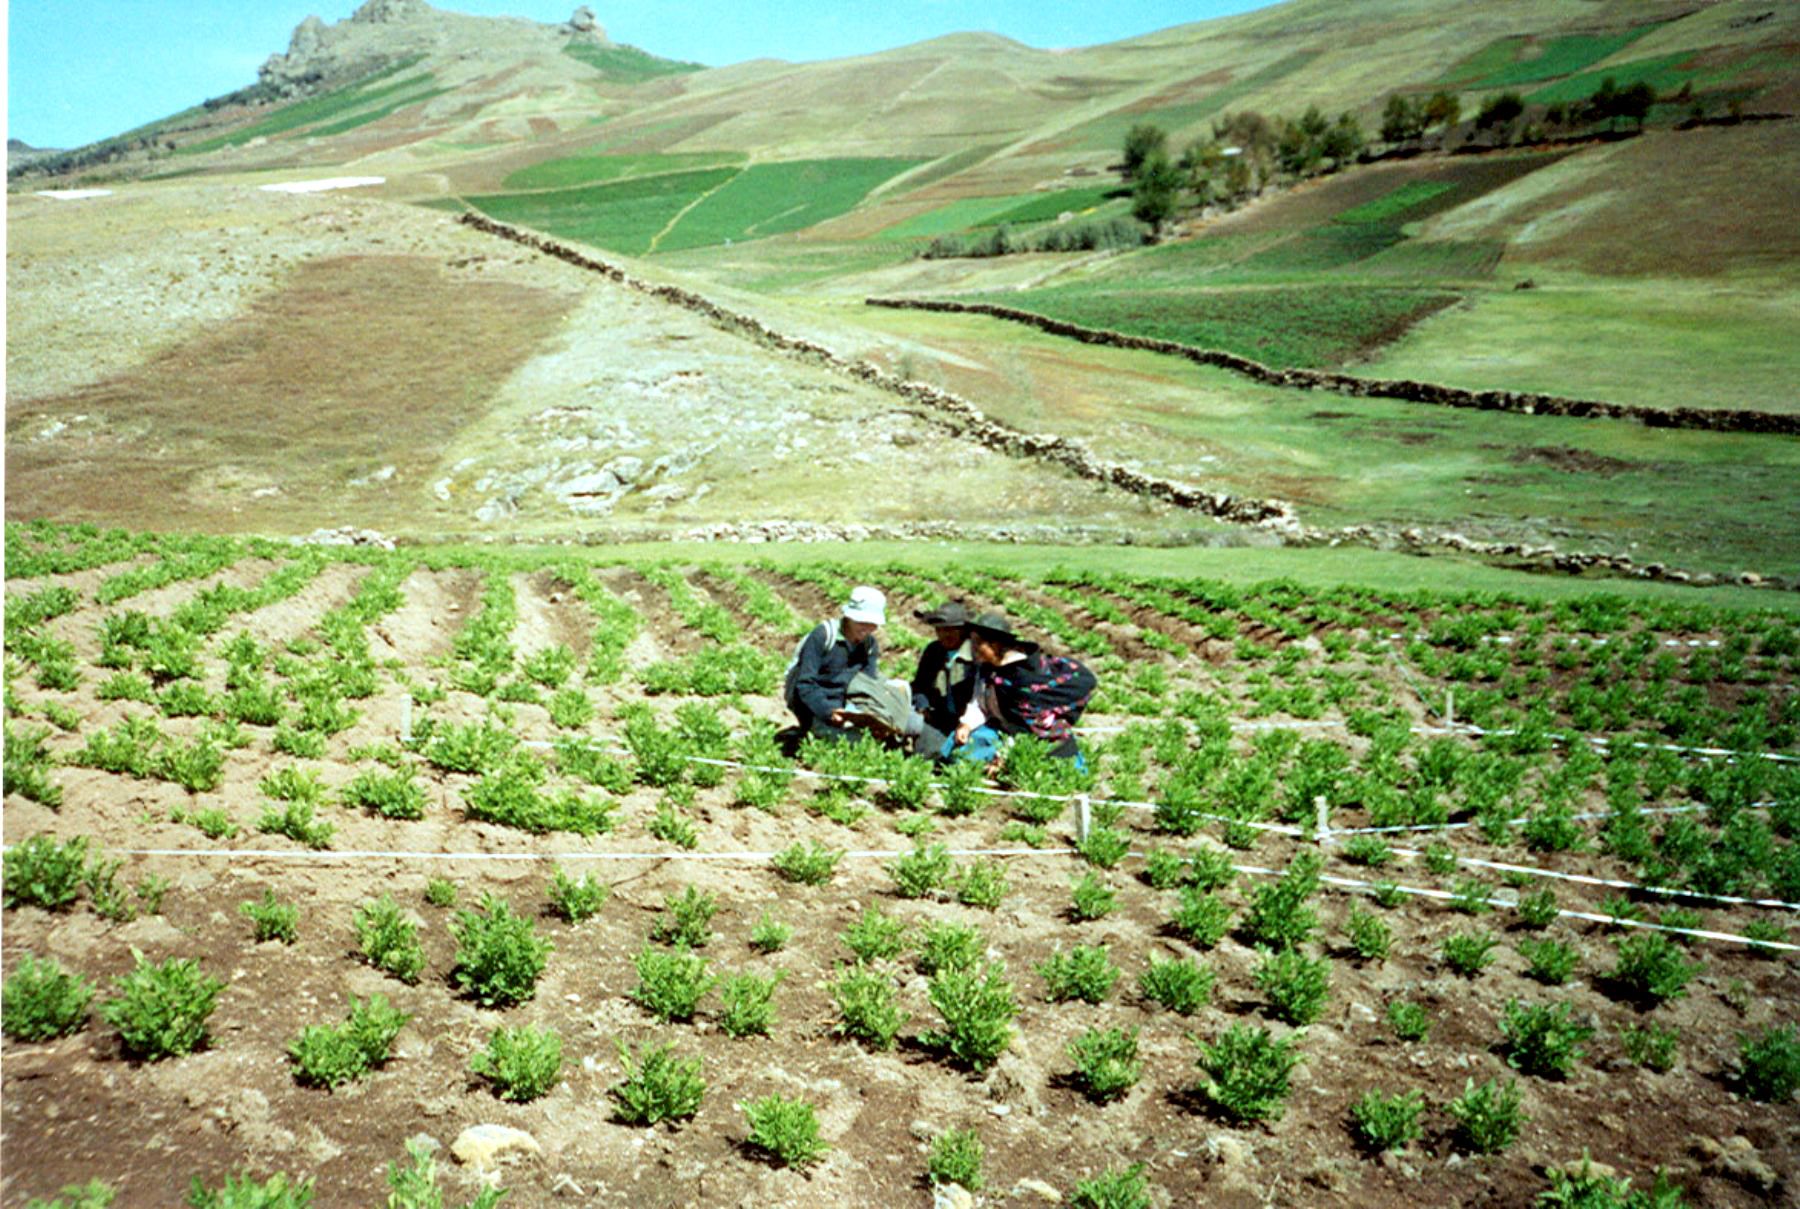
(363, 854)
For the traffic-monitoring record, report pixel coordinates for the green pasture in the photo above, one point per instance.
(1285, 326)
(1509, 62)
(1017, 208)
(771, 199)
(573, 170)
(627, 64)
(1656, 342)
(1107, 133)
(1664, 73)
(624, 216)
(341, 104)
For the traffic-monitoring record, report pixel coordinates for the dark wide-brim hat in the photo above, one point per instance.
(998, 625)
(950, 613)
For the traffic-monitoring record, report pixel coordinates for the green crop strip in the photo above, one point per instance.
(598, 169)
(1109, 131)
(772, 199)
(333, 104)
(628, 64)
(623, 216)
(1500, 64)
(1663, 73)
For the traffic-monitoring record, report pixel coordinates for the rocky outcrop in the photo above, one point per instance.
(582, 24)
(1523, 402)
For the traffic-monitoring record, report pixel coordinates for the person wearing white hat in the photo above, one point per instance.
(828, 657)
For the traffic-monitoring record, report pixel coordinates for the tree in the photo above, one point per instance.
(1158, 188)
(1402, 121)
(1635, 102)
(1344, 141)
(1199, 164)
(1141, 142)
(1443, 109)
(1501, 111)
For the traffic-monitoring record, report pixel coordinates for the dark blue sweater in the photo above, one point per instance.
(824, 669)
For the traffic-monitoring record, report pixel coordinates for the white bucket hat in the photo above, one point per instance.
(868, 605)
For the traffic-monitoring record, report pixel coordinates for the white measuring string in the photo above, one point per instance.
(361, 854)
(1584, 817)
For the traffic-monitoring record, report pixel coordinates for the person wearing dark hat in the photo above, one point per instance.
(945, 681)
(1022, 690)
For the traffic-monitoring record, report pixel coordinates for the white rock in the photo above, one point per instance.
(481, 1146)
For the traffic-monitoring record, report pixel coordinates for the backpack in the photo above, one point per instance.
(787, 676)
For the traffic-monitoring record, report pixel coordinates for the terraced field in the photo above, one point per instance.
(1522, 870)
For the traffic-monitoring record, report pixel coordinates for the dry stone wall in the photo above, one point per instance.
(1275, 516)
(1523, 402)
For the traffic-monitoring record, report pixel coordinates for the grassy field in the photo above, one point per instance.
(352, 106)
(627, 64)
(1510, 62)
(624, 216)
(599, 169)
(771, 199)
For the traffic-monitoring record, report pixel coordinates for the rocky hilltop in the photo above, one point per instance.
(321, 55)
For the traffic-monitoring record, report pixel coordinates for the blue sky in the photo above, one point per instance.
(80, 71)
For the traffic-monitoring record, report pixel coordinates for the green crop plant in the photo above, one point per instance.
(1248, 1071)
(41, 872)
(787, 1130)
(1117, 1188)
(1538, 910)
(747, 1004)
(762, 791)
(129, 747)
(1106, 1062)
(1164, 870)
(875, 936)
(570, 709)
(1763, 935)
(1367, 850)
(921, 872)
(580, 759)
(1768, 1064)
(550, 667)
(27, 766)
(327, 1055)
(475, 747)
(271, 919)
(522, 1063)
(1388, 1122)
(241, 1191)
(1440, 859)
(1029, 834)
(211, 822)
(255, 701)
(440, 892)
(1651, 968)
(658, 1086)
(661, 756)
(393, 795)
(671, 983)
(1472, 896)
(1542, 1039)
(1210, 869)
(92, 1195)
(161, 1008)
(1652, 1046)
(1295, 985)
(108, 897)
(955, 1158)
(1468, 953)
(416, 1187)
(1202, 918)
(1278, 916)
(1368, 934)
(130, 686)
(186, 699)
(1104, 847)
(686, 921)
(671, 826)
(577, 899)
(908, 785)
(810, 863)
(1091, 898)
(299, 822)
(1549, 961)
(305, 744)
(949, 946)
(959, 789)
(868, 1006)
(1410, 1021)
(1086, 973)
(1488, 1117)
(983, 884)
(388, 939)
(977, 1008)
(1585, 1187)
(499, 956)
(769, 934)
(40, 1000)
(1181, 985)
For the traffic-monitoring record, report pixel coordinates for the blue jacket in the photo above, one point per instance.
(822, 670)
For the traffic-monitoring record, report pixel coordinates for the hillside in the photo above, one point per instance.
(1592, 264)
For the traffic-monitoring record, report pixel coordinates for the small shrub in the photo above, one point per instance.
(1091, 898)
(955, 1158)
(1121, 1188)
(523, 1063)
(1469, 953)
(1550, 961)
(1768, 1065)
(1278, 916)
(787, 1130)
(686, 921)
(499, 955)
(391, 795)
(1182, 986)
(43, 873)
(977, 1008)
(1248, 1072)
(658, 1086)
(1106, 1062)
(671, 983)
(922, 871)
(1368, 934)
(1388, 1122)
(1210, 869)
(271, 919)
(875, 936)
(1104, 847)
(440, 892)
(326, 1055)
(1488, 1117)
(769, 934)
(1410, 1021)
(1652, 1047)
(868, 1007)
(40, 1000)
(389, 940)
(1296, 986)
(212, 823)
(577, 899)
(1086, 973)
(161, 1010)
(1202, 917)
(299, 822)
(747, 1004)
(1651, 968)
(983, 884)
(1542, 1039)
(949, 946)
(810, 864)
